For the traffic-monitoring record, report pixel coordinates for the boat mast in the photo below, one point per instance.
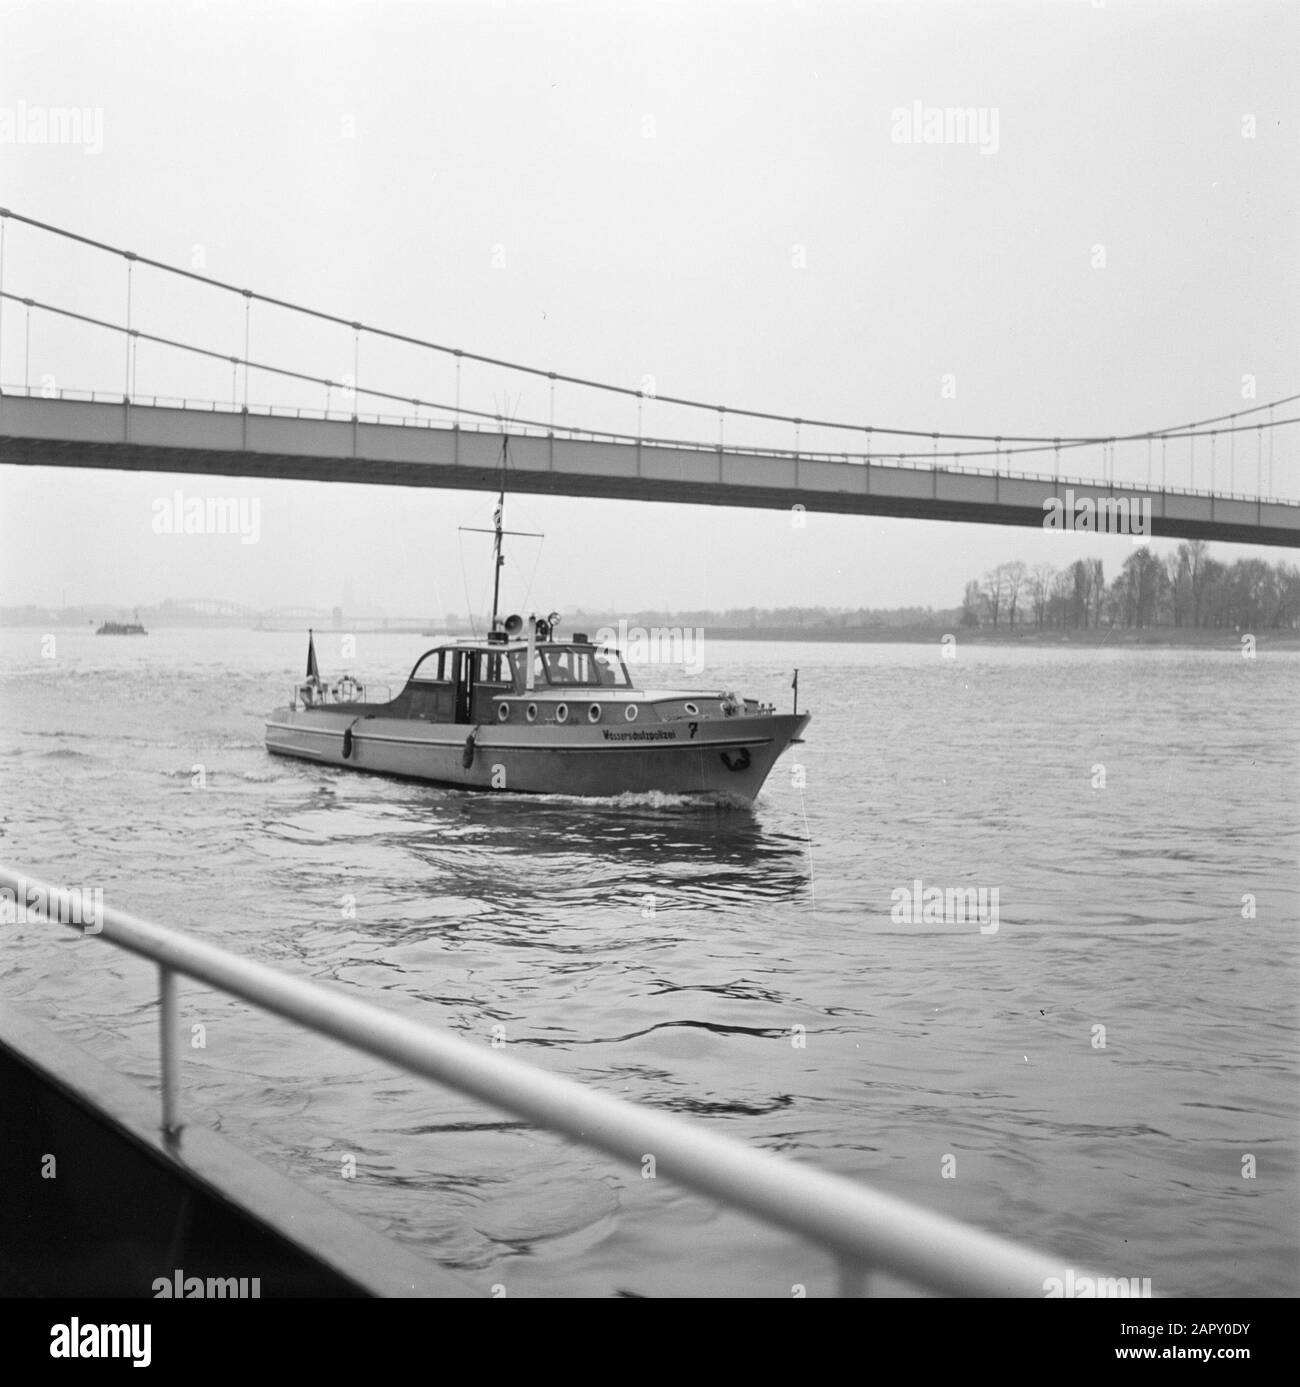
(497, 530)
(498, 557)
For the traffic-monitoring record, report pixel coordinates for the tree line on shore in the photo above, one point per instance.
(1188, 588)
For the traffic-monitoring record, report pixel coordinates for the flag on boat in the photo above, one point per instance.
(313, 671)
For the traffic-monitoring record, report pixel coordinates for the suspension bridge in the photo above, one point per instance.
(770, 461)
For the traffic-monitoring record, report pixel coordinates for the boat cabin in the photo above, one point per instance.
(503, 679)
(458, 682)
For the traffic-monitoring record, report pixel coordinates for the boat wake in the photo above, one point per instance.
(647, 799)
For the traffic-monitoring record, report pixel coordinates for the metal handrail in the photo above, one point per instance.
(877, 459)
(365, 690)
(865, 1231)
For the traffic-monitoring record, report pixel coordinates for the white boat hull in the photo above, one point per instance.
(726, 757)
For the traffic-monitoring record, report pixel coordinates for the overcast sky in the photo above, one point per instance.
(717, 195)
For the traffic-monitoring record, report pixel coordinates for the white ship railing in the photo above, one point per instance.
(864, 1231)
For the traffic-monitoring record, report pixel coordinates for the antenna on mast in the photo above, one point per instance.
(497, 518)
(497, 530)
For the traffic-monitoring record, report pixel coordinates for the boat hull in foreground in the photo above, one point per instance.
(728, 757)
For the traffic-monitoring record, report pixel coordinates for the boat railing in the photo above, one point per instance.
(868, 1234)
(322, 694)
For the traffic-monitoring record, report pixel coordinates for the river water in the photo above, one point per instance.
(1090, 1077)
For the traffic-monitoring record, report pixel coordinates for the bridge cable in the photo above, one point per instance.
(573, 380)
(573, 429)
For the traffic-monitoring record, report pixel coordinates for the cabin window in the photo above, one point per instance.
(610, 671)
(518, 669)
(559, 667)
(570, 667)
(493, 668)
(432, 666)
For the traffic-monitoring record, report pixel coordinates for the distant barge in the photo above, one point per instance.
(121, 628)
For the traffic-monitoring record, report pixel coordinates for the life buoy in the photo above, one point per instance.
(346, 689)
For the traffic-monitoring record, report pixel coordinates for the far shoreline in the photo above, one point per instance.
(1208, 638)
(1092, 637)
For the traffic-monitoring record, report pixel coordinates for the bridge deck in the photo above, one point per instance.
(153, 438)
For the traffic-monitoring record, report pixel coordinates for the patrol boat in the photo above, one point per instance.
(525, 711)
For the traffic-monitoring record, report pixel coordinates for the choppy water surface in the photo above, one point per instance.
(1119, 907)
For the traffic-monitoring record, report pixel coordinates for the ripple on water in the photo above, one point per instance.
(736, 965)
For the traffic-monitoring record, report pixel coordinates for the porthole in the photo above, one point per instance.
(503, 712)
(593, 713)
(630, 712)
(692, 709)
(531, 712)
(561, 712)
